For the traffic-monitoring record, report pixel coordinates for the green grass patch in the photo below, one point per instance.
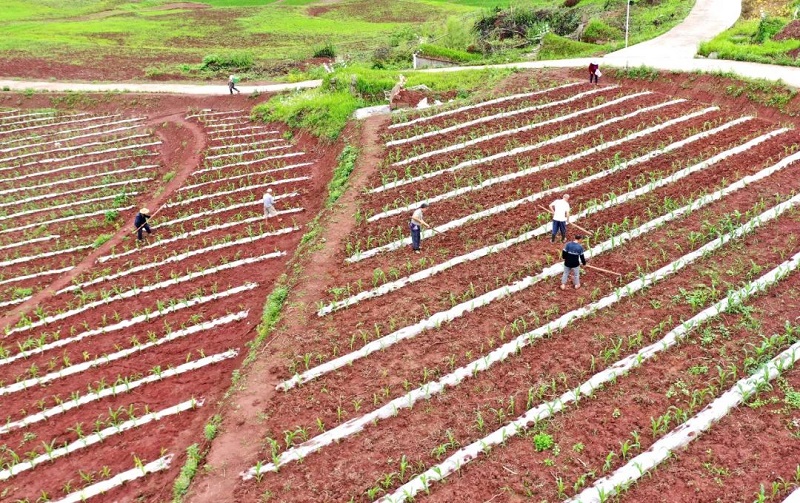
(338, 183)
(188, 472)
(454, 55)
(555, 47)
(752, 40)
(322, 113)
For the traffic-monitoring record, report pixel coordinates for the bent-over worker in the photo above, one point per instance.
(573, 259)
(140, 223)
(416, 224)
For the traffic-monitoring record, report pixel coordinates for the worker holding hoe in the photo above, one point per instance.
(573, 259)
(560, 210)
(416, 224)
(140, 223)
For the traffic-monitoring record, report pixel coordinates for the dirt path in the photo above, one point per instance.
(240, 438)
(182, 142)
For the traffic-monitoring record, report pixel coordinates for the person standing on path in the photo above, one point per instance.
(560, 209)
(594, 72)
(269, 206)
(416, 224)
(573, 259)
(232, 84)
(140, 223)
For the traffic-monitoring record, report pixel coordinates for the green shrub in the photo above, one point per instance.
(111, 216)
(598, 31)
(239, 61)
(768, 27)
(326, 51)
(542, 442)
(187, 472)
(101, 239)
(457, 34)
(344, 166)
(437, 51)
(555, 47)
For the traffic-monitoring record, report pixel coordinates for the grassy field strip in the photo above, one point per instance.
(503, 115)
(118, 480)
(8, 114)
(39, 136)
(204, 230)
(254, 173)
(514, 346)
(72, 138)
(115, 390)
(80, 146)
(124, 324)
(500, 134)
(482, 104)
(87, 154)
(208, 112)
(119, 355)
(570, 158)
(73, 191)
(237, 145)
(238, 130)
(30, 241)
(100, 436)
(211, 122)
(65, 205)
(235, 191)
(245, 152)
(75, 167)
(64, 219)
(145, 289)
(78, 179)
(169, 260)
(619, 369)
(590, 210)
(248, 163)
(50, 117)
(14, 302)
(232, 207)
(242, 136)
(521, 150)
(48, 125)
(20, 260)
(36, 275)
(678, 438)
(555, 270)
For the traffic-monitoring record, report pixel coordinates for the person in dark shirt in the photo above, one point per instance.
(141, 222)
(573, 259)
(594, 72)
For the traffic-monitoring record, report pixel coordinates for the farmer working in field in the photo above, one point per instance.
(416, 224)
(269, 205)
(594, 72)
(560, 209)
(232, 84)
(573, 259)
(140, 223)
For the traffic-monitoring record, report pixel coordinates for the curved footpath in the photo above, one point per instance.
(675, 50)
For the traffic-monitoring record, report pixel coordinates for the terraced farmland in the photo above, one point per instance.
(464, 373)
(106, 378)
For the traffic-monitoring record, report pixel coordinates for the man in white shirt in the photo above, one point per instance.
(416, 224)
(560, 209)
(269, 205)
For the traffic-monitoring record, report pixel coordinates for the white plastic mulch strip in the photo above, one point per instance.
(619, 369)
(20, 260)
(508, 132)
(142, 318)
(115, 390)
(249, 163)
(50, 117)
(73, 191)
(30, 241)
(594, 251)
(70, 131)
(237, 131)
(63, 219)
(36, 275)
(503, 115)
(158, 465)
(570, 158)
(257, 202)
(234, 191)
(99, 437)
(245, 152)
(390, 409)
(75, 167)
(108, 358)
(794, 497)
(695, 426)
(481, 105)
(255, 173)
(204, 230)
(149, 288)
(208, 112)
(237, 145)
(612, 201)
(14, 302)
(9, 115)
(520, 150)
(87, 154)
(238, 115)
(79, 179)
(237, 137)
(70, 204)
(77, 137)
(74, 147)
(169, 260)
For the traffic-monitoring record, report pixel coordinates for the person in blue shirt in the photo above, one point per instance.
(140, 223)
(573, 259)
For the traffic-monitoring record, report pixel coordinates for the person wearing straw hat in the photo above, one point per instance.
(269, 205)
(416, 224)
(140, 223)
(232, 84)
(594, 72)
(573, 259)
